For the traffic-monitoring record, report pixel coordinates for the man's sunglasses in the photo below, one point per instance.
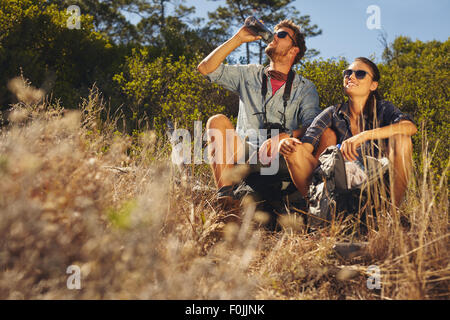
(359, 74)
(283, 34)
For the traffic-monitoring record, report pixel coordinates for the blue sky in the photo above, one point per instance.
(343, 23)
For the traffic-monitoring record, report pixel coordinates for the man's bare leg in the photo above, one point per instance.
(223, 153)
(400, 156)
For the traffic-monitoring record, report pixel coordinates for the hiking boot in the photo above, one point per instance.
(225, 192)
(226, 198)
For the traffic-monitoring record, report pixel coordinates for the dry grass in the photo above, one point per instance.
(76, 192)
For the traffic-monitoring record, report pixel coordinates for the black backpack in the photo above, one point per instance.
(329, 195)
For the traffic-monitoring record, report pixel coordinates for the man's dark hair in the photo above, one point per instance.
(298, 36)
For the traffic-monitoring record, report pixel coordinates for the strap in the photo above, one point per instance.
(264, 85)
(286, 95)
(288, 87)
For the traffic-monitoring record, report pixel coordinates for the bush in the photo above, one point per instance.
(168, 90)
(416, 78)
(327, 76)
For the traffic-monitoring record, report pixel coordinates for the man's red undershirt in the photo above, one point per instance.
(276, 84)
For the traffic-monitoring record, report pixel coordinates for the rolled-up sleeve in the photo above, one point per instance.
(392, 114)
(228, 76)
(318, 126)
(309, 107)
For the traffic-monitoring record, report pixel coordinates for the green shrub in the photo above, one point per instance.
(327, 76)
(416, 78)
(168, 90)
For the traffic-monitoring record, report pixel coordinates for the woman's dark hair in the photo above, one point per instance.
(374, 96)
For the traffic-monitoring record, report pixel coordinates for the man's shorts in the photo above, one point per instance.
(264, 186)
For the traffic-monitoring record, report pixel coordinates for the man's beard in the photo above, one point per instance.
(275, 55)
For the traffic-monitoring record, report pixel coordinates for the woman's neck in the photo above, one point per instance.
(356, 105)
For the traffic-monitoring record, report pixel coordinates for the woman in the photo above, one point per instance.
(365, 119)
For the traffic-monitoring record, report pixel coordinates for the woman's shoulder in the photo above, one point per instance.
(338, 107)
(386, 107)
(386, 104)
(330, 112)
(388, 111)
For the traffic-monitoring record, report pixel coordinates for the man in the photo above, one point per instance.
(265, 101)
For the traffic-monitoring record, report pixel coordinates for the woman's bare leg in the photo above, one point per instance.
(302, 162)
(327, 139)
(400, 156)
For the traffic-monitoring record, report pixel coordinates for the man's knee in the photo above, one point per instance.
(218, 121)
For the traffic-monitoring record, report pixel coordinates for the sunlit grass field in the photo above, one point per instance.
(76, 191)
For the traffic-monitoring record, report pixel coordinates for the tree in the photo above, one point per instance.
(165, 26)
(233, 15)
(35, 40)
(108, 16)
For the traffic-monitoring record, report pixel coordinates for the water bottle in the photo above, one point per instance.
(257, 28)
(354, 171)
(358, 160)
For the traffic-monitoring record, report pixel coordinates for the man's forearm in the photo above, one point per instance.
(215, 58)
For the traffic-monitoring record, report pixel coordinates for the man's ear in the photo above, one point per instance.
(295, 51)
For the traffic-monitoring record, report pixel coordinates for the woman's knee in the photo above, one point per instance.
(328, 138)
(299, 155)
(401, 144)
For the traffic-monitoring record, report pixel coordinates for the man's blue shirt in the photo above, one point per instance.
(246, 81)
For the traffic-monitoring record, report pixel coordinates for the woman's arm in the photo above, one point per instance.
(404, 127)
(350, 145)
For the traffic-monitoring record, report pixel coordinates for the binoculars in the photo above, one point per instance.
(273, 126)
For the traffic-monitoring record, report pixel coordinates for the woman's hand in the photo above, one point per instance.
(349, 146)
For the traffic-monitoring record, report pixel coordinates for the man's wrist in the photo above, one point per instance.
(236, 39)
(290, 133)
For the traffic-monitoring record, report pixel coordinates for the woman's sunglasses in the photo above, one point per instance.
(283, 34)
(359, 74)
